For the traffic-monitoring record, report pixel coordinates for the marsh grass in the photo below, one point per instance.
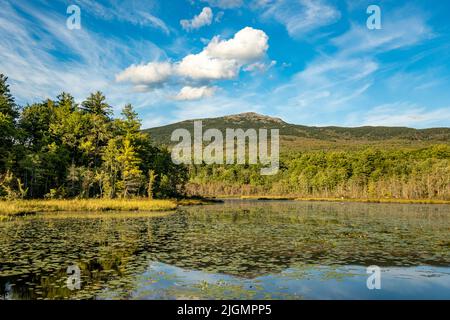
(26, 207)
(387, 200)
(384, 200)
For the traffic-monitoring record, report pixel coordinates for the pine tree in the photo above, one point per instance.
(66, 102)
(8, 130)
(8, 106)
(96, 104)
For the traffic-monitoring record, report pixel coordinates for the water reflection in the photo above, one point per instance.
(240, 249)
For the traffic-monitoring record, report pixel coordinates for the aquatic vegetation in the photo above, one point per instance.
(242, 249)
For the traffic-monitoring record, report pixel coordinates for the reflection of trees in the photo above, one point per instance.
(244, 239)
(249, 240)
(38, 252)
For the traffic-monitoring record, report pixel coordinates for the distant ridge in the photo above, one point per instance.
(299, 137)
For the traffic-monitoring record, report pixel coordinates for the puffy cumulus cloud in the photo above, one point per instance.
(203, 67)
(247, 45)
(223, 59)
(219, 60)
(147, 75)
(195, 93)
(203, 19)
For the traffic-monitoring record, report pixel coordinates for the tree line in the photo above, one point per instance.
(422, 173)
(61, 149)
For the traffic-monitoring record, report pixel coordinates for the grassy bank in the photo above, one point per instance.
(23, 207)
(405, 201)
(384, 200)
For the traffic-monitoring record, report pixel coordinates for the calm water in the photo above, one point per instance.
(236, 250)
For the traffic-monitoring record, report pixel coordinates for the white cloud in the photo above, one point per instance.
(134, 12)
(404, 114)
(397, 32)
(35, 72)
(203, 67)
(225, 4)
(219, 60)
(203, 19)
(195, 93)
(247, 45)
(351, 78)
(153, 73)
(223, 59)
(302, 16)
(260, 66)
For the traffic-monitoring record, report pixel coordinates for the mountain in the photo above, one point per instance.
(299, 137)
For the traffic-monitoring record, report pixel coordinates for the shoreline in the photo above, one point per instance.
(324, 199)
(19, 208)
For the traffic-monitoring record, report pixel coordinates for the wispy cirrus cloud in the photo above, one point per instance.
(350, 76)
(137, 12)
(225, 4)
(396, 33)
(404, 114)
(36, 72)
(300, 17)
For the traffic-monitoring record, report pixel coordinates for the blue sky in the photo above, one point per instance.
(308, 62)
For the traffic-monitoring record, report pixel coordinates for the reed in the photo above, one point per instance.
(386, 200)
(24, 207)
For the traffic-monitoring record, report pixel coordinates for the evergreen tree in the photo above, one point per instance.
(66, 102)
(96, 104)
(8, 132)
(8, 106)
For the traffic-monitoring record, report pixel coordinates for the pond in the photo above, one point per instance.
(235, 250)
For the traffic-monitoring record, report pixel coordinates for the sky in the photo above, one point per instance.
(310, 62)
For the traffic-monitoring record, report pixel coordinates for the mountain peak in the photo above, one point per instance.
(253, 116)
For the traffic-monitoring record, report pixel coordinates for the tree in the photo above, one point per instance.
(131, 124)
(8, 105)
(111, 168)
(8, 117)
(151, 184)
(96, 104)
(66, 101)
(131, 174)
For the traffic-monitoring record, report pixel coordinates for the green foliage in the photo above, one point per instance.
(96, 104)
(369, 173)
(61, 149)
(58, 149)
(151, 183)
(8, 131)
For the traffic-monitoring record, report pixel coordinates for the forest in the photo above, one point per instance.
(58, 149)
(422, 173)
